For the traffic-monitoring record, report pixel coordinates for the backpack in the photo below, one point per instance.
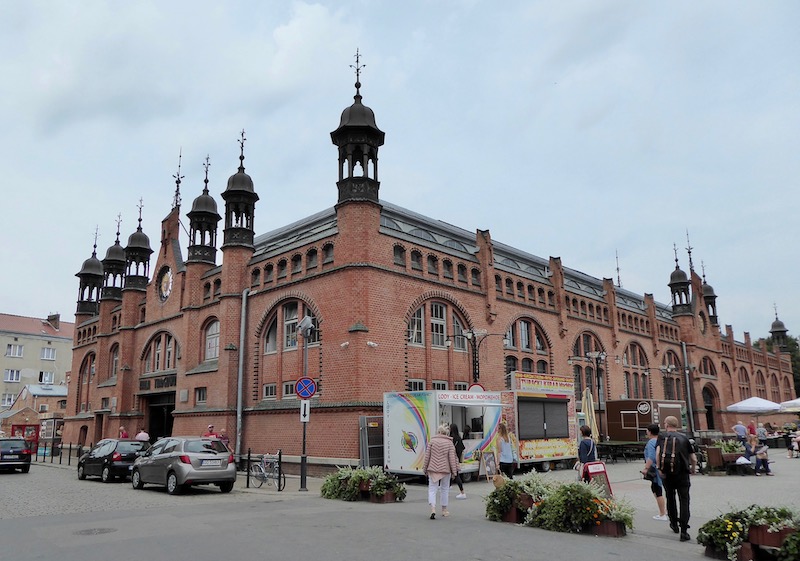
(670, 462)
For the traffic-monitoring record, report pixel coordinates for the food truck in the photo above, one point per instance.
(539, 411)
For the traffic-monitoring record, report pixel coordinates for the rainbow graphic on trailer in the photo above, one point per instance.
(409, 420)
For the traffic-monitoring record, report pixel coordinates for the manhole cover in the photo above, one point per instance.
(94, 531)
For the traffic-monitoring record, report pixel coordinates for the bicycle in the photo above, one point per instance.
(267, 471)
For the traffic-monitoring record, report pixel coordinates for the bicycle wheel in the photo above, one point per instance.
(280, 478)
(257, 475)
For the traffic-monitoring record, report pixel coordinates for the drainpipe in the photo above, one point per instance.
(688, 388)
(240, 376)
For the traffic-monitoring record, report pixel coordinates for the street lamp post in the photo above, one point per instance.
(598, 357)
(306, 326)
(475, 340)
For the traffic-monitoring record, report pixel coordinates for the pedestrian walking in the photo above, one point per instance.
(441, 463)
(459, 444)
(676, 462)
(651, 473)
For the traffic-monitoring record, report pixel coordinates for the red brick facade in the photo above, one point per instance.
(363, 269)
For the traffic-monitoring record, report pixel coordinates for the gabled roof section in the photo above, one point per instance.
(48, 390)
(35, 326)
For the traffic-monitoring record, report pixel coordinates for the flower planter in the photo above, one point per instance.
(523, 502)
(759, 535)
(512, 516)
(364, 486)
(745, 553)
(387, 497)
(609, 528)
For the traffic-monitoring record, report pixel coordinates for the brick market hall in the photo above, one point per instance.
(366, 297)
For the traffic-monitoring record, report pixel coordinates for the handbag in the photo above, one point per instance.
(650, 474)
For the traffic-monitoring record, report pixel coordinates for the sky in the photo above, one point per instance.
(598, 132)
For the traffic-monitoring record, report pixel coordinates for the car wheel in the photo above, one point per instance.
(136, 480)
(105, 475)
(26, 469)
(172, 484)
(226, 486)
(81, 472)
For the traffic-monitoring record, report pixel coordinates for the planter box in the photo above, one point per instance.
(512, 516)
(758, 535)
(609, 528)
(387, 497)
(524, 502)
(745, 553)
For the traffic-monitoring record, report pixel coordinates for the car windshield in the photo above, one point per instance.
(128, 447)
(9, 445)
(204, 446)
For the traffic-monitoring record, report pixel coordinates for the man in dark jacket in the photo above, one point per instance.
(676, 462)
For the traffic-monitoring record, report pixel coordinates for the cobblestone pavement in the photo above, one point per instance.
(50, 491)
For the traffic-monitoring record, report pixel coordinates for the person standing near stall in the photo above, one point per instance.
(459, 444)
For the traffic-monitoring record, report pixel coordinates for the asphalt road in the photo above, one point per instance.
(49, 514)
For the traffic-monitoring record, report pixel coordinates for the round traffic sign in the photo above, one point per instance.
(305, 388)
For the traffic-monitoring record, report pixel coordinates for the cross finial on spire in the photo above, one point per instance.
(206, 165)
(774, 305)
(689, 249)
(176, 202)
(139, 206)
(675, 250)
(703, 268)
(241, 152)
(96, 235)
(616, 255)
(358, 66)
(119, 221)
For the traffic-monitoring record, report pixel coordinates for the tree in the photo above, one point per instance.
(793, 348)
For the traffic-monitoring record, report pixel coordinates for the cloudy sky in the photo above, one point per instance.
(574, 129)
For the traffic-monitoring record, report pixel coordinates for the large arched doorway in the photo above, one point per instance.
(710, 405)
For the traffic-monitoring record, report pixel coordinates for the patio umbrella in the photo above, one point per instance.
(792, 406)
(587, 408)
(754, 406)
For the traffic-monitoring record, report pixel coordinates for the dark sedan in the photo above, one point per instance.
(15, 453)
(110, 459)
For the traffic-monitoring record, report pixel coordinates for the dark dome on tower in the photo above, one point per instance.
(678, 276)
(358, 115)
(206, 203)
(778, 325)
(91, 266)
(708, 290)
(138, 240)
(115, 253)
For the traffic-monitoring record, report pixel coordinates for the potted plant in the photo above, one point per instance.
(790, 550)
(501, 502)
(348, 483)
(726, 536)
(385, 487)
(723, 536)
(770, 526)
(573, 507)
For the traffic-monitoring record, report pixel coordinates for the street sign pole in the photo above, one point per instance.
(306, 325)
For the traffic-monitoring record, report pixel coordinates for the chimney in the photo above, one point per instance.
(54, 320)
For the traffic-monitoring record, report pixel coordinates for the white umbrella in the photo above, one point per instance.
(755, 406)
(792, 406)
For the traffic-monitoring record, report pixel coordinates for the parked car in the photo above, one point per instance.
(110, 458)
(15, 453)
(178, 462)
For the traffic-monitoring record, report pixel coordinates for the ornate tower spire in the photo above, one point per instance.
(240, 206)
(176, 201)
(679, 286)
(358, 138)
(689, 249)
(137, 257)
(203, 220)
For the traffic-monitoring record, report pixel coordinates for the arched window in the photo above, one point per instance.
(744, 384)
(707, 367)
(297, 264)
(212, 341)
(255, 277)
(311, 259)
(271, 336)
(527, 365)
(589, 359)
(399, 255)
(416, 260)
(775, 388)
(787, 390)
(327, 253)
(635, 362)
(761, 385)
(433, 265)
(160, 353)
(671, 371)
(113, 361)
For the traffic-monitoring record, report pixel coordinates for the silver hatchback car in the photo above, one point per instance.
(177, 462)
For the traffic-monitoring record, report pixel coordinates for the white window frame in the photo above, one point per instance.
(201, 395)
(290, 325)
(416, 331)
(14, 350)
(289, 390)
(438, 324)
(439, 385)
(525, 335)
(212, 341)
(271, 337)
(42, 408)
(11, 376)
(270, 391)
(459, 341)
(460, 386)
(48, 353)
(7, 400)
(416, 385)
(46, 377)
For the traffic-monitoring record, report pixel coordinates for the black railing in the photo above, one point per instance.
(258, 459)
(46, 452)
